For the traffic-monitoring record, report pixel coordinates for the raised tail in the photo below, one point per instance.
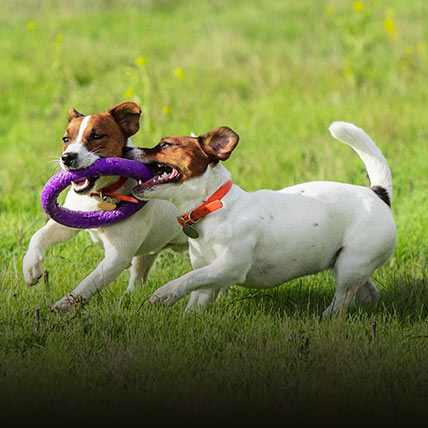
(376, 165)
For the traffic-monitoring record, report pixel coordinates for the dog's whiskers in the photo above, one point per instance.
(96, 152)
(53, 164)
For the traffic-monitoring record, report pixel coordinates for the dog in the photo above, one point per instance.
(135, 241)
(267, 238)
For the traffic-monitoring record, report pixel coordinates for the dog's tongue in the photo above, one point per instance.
(81, 184)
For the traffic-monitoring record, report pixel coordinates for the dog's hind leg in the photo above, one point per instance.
(352, 277)
(117, 257)
(201, 298)
(140, 270)
(367, 293)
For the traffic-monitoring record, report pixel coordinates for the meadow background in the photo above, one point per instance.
(278, 73)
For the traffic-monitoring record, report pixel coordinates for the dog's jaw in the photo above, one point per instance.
(190, 193)
(186, 169)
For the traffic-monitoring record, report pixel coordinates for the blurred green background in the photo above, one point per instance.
(277, 73)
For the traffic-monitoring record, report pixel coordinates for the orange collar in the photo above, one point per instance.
(212, 204)
(109, 191)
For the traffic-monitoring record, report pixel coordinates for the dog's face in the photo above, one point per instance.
(101, 135)
(176, 160)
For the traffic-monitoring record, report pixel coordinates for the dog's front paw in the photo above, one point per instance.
(166, 295)
(69, 303)
(32, 267)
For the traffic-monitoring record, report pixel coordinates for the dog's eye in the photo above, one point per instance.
(165, 144)
(65, 139)
(96, 136)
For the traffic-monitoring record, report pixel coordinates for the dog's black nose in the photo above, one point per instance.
(126, 150)
(68, 158)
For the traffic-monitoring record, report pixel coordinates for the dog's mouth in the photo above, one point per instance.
(84, 185)
(162, 173)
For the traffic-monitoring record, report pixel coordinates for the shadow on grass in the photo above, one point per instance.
(401, 296)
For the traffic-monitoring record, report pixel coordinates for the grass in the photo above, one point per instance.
(278, 73)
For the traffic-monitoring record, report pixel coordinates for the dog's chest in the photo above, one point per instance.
(200, 254)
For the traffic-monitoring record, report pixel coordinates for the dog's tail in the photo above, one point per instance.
(376, 165)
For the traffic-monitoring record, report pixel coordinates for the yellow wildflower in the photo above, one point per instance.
(58, 41)
(421, 48)
(358, 6)
(329, 9)
(31, 26)
(129, 93)
(390, 27)
(166, 110)
(141, 60)
(179, 73)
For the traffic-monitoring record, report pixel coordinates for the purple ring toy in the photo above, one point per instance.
(92, 219)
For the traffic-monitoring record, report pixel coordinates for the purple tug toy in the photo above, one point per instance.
(92, 219)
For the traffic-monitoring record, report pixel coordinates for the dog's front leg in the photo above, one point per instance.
(118, 254)
(51, 233)
(108, 270)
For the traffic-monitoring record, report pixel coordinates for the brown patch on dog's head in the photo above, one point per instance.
(105, 134)
(127, 116)
(180, 158)
(219, 143)
(100, 135)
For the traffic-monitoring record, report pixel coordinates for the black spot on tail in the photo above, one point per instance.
(383, 194)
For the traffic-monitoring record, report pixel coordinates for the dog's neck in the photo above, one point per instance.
(193, 192)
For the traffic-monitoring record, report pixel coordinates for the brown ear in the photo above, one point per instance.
(127, 116)
(219, 143)
(73, 113)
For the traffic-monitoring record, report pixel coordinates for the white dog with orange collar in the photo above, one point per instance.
(266, 238)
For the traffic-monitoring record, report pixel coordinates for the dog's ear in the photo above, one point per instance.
(127, 116)
(219, 143)
(73, 113)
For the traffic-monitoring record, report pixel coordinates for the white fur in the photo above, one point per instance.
(266, 238)
(82, 129)
(133, 242)
(376, 165)
(84, 158)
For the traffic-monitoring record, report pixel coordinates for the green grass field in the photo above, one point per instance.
(278, 73)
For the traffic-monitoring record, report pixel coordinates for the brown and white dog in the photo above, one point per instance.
(133, 242)
(266, 238)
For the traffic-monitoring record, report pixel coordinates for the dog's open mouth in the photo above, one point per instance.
(84, 185)
(162, 173)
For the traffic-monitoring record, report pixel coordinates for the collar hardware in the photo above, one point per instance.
(109, 192)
